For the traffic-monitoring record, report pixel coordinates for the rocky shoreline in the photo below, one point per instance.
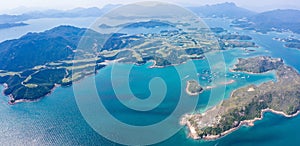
(193, 88)
(193, 134)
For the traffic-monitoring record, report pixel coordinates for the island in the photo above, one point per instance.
(230, 36)
(193, 88)
(259, 64)
(290, 42)
(11, 25)
(248, 104)
(235, 40)
(292, 45)
(218, 30)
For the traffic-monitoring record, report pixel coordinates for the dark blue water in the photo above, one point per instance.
(56, 119)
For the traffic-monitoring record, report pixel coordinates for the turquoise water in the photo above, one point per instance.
(56, 120)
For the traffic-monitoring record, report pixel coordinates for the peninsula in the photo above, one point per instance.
(248, 104)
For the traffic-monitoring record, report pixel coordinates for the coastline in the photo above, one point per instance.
(106, 63)
(250, 73)
(250, 123)
(232, 69)
(11, 97)
(190, 93)
(156, 66)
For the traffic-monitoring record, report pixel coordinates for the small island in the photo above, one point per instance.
(193, 88)
(248, 104)
(290, 42)
(259, 64)
(230, 36)
(292, 45)
(11, 25)
(235, 40)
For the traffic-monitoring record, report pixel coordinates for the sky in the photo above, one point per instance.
(17, 6)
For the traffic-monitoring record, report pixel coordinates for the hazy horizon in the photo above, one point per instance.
(20, 6)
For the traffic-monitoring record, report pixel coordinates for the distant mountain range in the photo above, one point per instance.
(278, 20)
(263, 22)
(229, 10)
(9, 25)
(77, 12)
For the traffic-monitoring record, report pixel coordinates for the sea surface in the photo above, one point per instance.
(56, 119)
